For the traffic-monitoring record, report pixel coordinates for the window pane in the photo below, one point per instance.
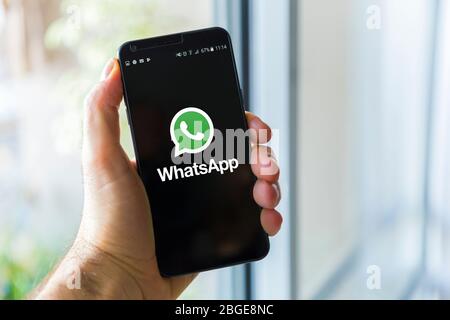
(363, 108)
(49, 58)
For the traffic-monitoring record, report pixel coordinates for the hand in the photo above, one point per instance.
(113, 255)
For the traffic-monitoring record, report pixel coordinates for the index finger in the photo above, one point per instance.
(260, 131)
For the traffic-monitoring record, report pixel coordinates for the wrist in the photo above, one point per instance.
(87, 272)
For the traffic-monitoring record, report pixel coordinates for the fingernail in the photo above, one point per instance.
(277, 191)
(273, 156)
(256, 123)
(108, 68)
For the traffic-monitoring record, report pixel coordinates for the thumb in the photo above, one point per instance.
(102, 154)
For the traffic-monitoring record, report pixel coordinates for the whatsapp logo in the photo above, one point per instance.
(191, 130)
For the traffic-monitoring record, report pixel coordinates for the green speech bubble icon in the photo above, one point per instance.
(191, 130)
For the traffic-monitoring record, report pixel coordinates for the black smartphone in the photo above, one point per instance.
(183, 98)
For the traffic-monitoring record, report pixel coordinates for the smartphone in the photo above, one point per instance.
(183, 97)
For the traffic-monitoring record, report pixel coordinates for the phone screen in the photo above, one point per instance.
(182, 93)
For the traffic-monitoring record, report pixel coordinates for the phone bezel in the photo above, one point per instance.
(151, 43)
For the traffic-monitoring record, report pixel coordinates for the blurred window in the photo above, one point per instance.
(51, 53)
(355, 90)
(350, 87)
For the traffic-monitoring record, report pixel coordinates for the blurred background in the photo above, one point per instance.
(358, 92)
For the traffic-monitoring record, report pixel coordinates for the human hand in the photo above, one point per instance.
(114, 251)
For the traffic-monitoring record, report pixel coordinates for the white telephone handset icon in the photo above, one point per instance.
(184, 129)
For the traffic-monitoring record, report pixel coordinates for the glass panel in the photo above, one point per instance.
(328, 219)
(51, 53)
(364, 99)
(438, 256)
